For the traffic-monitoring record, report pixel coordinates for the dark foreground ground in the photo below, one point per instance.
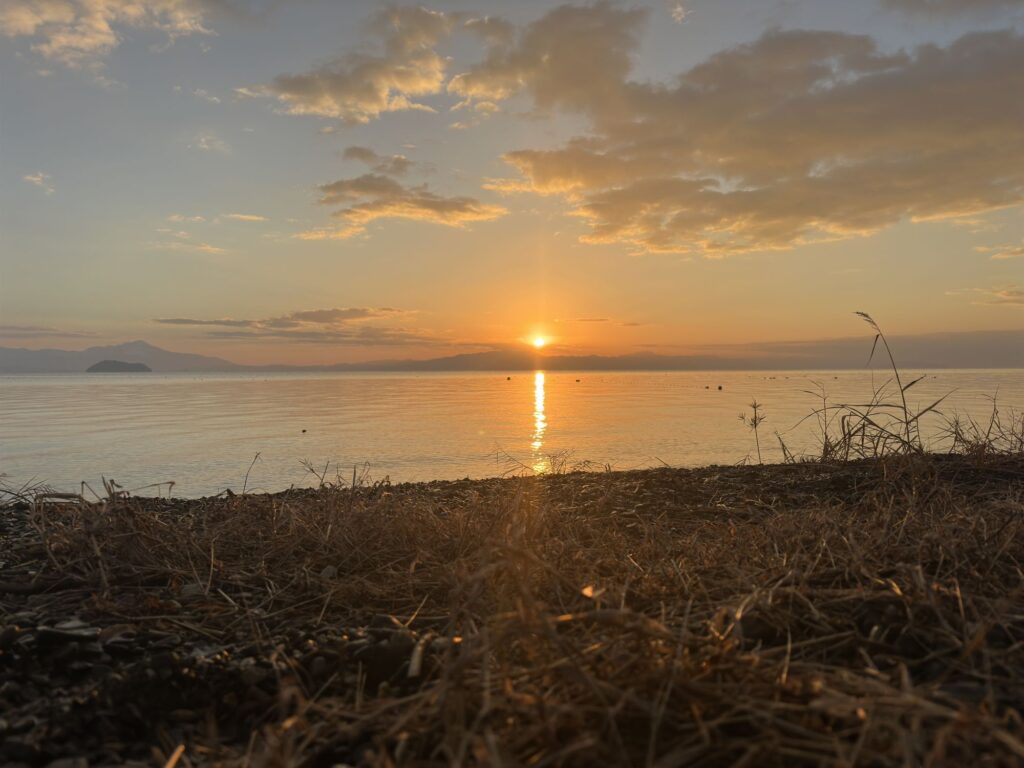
(861, 614)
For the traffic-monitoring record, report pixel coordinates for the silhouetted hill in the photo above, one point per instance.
(17, 360)
(118, 366)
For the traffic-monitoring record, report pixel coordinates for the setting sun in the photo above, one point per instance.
(539, 342)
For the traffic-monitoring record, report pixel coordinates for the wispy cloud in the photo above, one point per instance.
(1002, 252)
(209, 142)
(184, 246)
(226, 322)
(181, 234)
(479, 110)
(950, 7)
(202, 93)
(389, 165)
(360, 336)
(1011, 296)
(249, 217)
(40, 332)
(41, 180)
(369, 197)
(350, 326)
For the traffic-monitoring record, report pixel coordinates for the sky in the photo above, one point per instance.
(314, 182)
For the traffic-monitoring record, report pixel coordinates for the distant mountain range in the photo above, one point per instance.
(982, 349)
(16, 360)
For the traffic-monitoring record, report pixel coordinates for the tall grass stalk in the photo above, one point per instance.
(753, 422)
(884, 425)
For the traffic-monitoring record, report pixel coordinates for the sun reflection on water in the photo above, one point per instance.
(541, 463)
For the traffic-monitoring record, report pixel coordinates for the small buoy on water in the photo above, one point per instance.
(719, 387)
(577, 381)
(508, 378)
(303, 431)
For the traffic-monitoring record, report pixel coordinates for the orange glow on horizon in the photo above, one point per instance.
(539, 342)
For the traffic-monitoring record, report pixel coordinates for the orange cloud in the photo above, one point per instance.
(1003, 252)
(389, 165)
(78, 33)
(187, 247)
(372, 196)
(1011, 296)
(797, 137)
(359, 87)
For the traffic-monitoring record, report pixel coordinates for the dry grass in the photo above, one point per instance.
(884, 425)
(868, 613)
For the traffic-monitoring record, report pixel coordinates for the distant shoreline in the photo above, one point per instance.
(988, 350)
(879, 369)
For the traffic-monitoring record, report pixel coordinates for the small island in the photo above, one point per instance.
(118, 366)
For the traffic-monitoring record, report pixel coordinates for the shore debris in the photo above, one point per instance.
(866, 613)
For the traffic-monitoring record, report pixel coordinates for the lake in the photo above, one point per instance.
(203, 431)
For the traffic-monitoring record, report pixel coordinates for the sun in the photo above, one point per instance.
(539, 342)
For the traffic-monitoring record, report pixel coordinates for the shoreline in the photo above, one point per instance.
(22, 501)
(811, 614)
(729, 471)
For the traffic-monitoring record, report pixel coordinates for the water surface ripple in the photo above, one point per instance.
(202, 431)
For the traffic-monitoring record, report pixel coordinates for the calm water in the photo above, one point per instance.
(202, 432)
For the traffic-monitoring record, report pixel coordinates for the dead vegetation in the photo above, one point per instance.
(864, 613)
